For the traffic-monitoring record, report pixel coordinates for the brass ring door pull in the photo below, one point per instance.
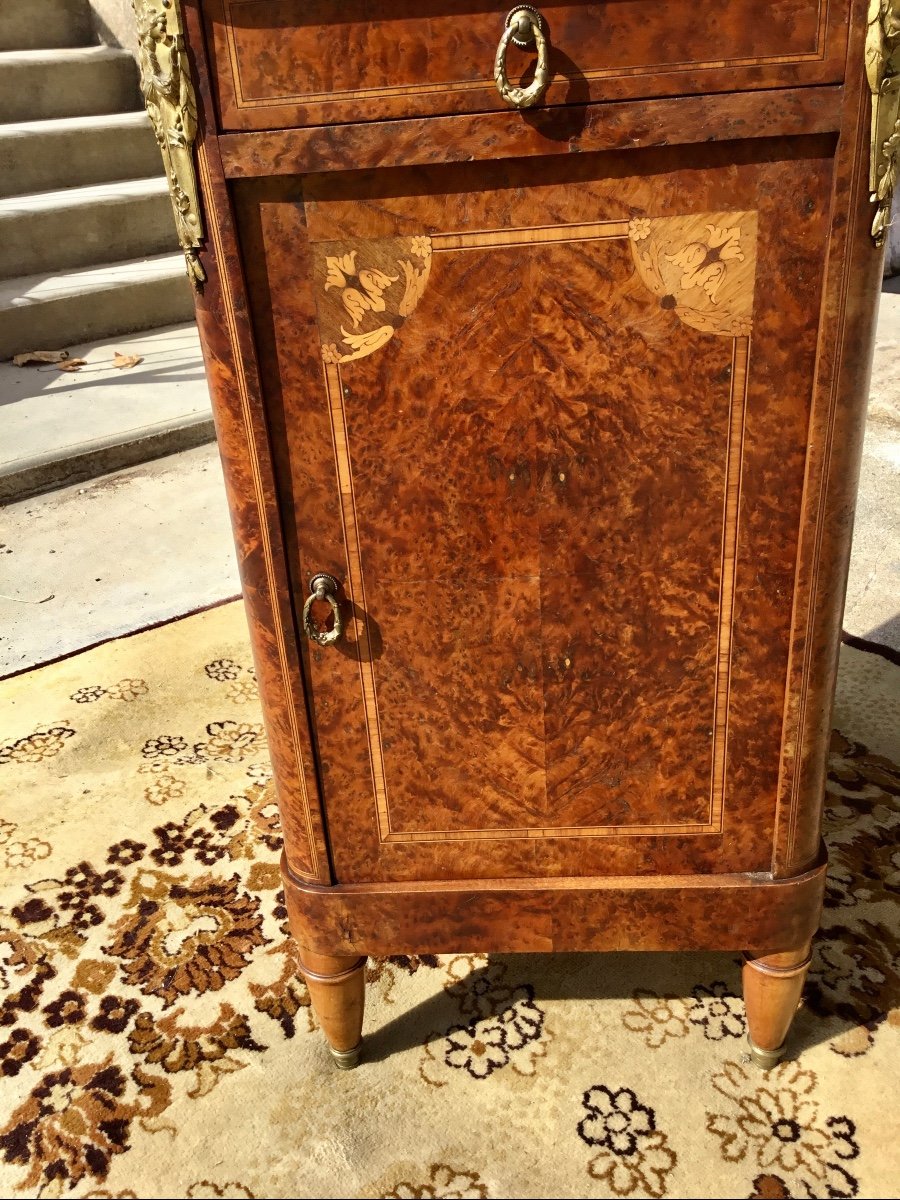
(524, 26)
(323, 587)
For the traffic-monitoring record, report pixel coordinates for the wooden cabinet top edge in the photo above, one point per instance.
(580, 129)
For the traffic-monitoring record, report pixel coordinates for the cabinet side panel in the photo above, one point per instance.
(835, 448)
(244, 448)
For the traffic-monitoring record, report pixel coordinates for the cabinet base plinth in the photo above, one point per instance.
(336, 927)
(761, 916)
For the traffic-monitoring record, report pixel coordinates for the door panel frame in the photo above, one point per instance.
(356, 591)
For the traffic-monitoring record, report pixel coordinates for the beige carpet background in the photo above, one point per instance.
(155, 1040)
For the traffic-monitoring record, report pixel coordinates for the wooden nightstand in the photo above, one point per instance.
(539, 374)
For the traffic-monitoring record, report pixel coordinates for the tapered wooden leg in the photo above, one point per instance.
(772, 987)
(337, 989)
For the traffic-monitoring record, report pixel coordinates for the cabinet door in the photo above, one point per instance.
(546, 421)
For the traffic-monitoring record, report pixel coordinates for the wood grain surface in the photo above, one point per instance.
(772, 989)
(292, 62)
(715, 912)
(654, 111)
(229, 358)
(577, 129)
(545, 548)
(834, 440)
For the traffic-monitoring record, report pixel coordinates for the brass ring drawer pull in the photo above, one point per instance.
(323, 587)
(524, 26)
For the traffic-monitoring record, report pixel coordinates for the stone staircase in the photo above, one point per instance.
(87, 241)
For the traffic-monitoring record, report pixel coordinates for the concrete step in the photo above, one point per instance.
(36, 156)
(42, 24)
(40, 84)
(78, 227)
(43, 312)
(59, 428)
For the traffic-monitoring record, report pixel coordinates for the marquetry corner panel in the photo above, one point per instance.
(700, 268)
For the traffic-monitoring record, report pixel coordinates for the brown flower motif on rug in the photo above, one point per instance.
(164, 745)
(76, 1119)
(44, 743)
(718, 1011)
(233, 741)
(778, 1127)
(855, 975)
(658, 1018)
(19, 1048)
(205, 1050)
(163, 785)
(223, 669)
(264, 813)
(712, 1008)
(17, 853)
(242, 691)
(505, 1026)
(285, 998)
(179, 936)
(443, 1183)
(125, 689)
(633, 1157)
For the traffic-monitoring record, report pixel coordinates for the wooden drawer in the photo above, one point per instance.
(279, 63)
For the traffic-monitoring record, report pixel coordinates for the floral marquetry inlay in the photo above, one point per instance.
(703, 267)
(696, 269)
(372, 289)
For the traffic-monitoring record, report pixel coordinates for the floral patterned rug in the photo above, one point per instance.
(156, 1041)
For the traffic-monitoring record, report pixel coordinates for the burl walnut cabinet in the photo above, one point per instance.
(539, 345)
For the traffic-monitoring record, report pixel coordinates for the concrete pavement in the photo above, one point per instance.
(58, 428)
(98, 560)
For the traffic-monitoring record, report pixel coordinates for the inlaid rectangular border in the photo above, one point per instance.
(442, 87)
(355, 584)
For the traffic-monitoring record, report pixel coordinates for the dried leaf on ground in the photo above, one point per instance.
(72, 364)
(34, 358)
(124, 361)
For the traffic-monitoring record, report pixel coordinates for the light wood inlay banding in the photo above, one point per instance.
(499, 238)
(436, 87)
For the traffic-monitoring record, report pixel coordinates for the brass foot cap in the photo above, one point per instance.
(346, 1060)
(765, 1059)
